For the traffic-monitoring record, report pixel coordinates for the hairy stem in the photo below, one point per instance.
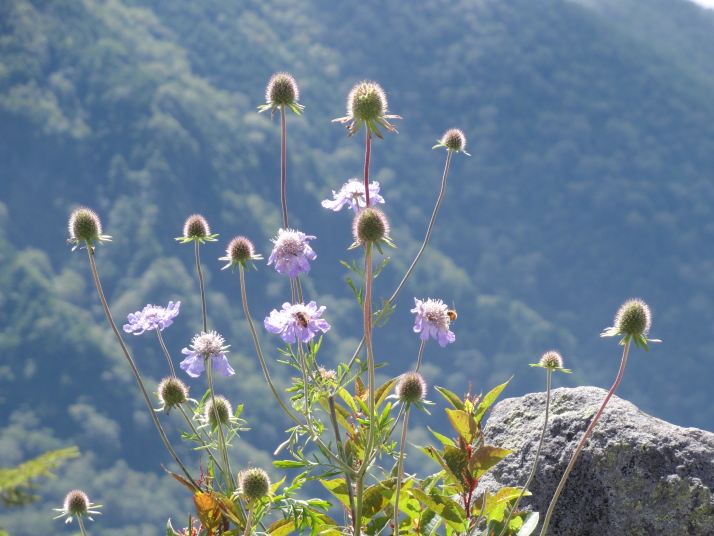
(222, 448)
(367, 154)
(537, 456)
(133, 367)
(81, 525)
(166, 352)
(580, 446)
(400, 471)
(200, 437)
(283, 167)
(341, 450)
(203, 290)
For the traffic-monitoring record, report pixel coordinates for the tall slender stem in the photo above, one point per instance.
(367, 306)
(199, 437)
(341, 450)
(249, 523)
(133, 367)
(367, 154)
(400, 470)
(537, 456)
(283, 167)
(203, 290)
(580, 446)
(227, 474)
(166, 352)
(81, 525)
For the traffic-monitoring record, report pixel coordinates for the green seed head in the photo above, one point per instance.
(240, 249)
(370, 225)
(254, 483)
(454, 140)
(633, 318)
(367, 101)
(225, 411)
(411, 387)
(196, 226)
(76, 503)
(84, 225)
(551, 359)
(282, 90)
(172, 392)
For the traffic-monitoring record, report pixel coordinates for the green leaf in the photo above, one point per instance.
(458, 462)
(448, 509)
(429, 522)
(485, 458)
(444, 440)
(436, 456)
(464, 424)
(488, 401)
(288, 464)
(493, 501)
(170, 530)
(451, 397)
(381, 393)
(281, 527)
(338, 488)
(529, 524)
(372, 503)
(377, 524)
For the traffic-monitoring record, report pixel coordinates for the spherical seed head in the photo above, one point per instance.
(172, 392)
(254, 483)
(454, 140)
(240, 249)
(282, 90)
(225, 411)
(196, 226)
(633, 318)
(76, 502)
(411, 387)
(367, 101)
(84, 225)
(370, 225)
(551, 359)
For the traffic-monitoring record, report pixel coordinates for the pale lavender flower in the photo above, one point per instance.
(206, 345)
(291, 252)
(351, 193)
(433, 319)
(152, 317)
(297, 321)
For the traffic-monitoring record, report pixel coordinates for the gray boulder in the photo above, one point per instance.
(637, 475)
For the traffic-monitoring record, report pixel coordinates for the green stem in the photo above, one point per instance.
(537, 456)
(357, 520)
(222, 449)
(81, 525)
(367, 305)
(400, 470)
(283, 167)
(580, 446)
(200, 438)
(249, 522)
(166, 352)
(341, 451)
(367, 153)
(203, 290)
(98, 284)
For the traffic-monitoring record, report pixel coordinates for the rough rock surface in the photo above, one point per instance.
(637, 475)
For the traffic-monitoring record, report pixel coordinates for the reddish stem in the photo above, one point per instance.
(367, 153)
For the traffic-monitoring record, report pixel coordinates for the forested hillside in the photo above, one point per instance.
(591, 126)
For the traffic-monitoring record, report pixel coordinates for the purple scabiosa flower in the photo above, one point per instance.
(433, 319)
(351, 193)
(152, 317)
(297, 321)
(291, 252)
(206, 345)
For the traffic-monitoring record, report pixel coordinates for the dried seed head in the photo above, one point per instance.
(172, 392)
(254, 483)
(454, 140)
(84, 225)
(196, 226)
(411, 388)
(370, 225)
(225, 411)
(551, 359)
(76, 503)
(282, 90)
(367, 101)
(633, 318)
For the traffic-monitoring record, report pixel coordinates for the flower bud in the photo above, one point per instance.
(454, 140)
(196, 226)
(172, 392)
(370, 225)
(76, 502)
(254, 483)
(367, 101)
(240, 250)
(411, 388)
(225, 411)
(551, 359)
(282, 90)
(633, 318)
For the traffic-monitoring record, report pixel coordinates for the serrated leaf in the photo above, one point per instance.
(347, 397)
(340, 412)
(338, 488)
(360, 389)
(464, 424)
(492, 501)
(428, 522)
(436, 456)
(451, 397)
(444, 440)
(281, 527)
(485, 458)
(448, 509)
(372, 502)
(458, 462)
(488, 400)
(381, 393)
